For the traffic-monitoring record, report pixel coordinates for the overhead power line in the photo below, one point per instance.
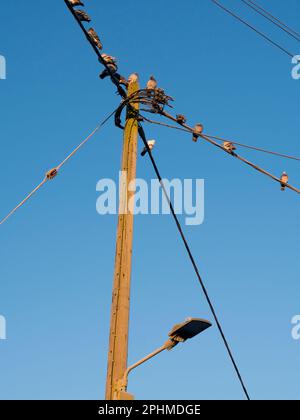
(54, 172)
(254, 166)
(147, 101)
(183, 126)
(194, 264)
(24, 201)
(127, 101)
(253, 28)
(113, 77)
(257, 149)
(246, 146)
(254, 7)
(274, 19)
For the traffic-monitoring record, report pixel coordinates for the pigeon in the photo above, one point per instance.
(134, 77)
(284, 180)
(198, 129)
(230, 147)
(152, 83)
(151, 144)
(95, 38)
(181, 119)
(111, 63)
(109, 59)
(113, 69)
(82, 16)
(75, 3)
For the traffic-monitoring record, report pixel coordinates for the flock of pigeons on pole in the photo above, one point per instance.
(111, 70)
(110, 61)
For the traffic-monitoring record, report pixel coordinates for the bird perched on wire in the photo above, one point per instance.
(75, 3)
(181, 119)
(111, 63)
(108, 59)
(82, 16)
(95, 38)
(112, 70)
(198, 129)
(134, 77)
(230, 147)
(152, 83)
(284, 180)
(151, 144)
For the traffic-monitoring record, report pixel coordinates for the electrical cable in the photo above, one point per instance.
(217, 3)
(113, 77)
(258, 149)
(297, 34)
(211, 141)
(54, 172)
(257, 10)
(192, 259)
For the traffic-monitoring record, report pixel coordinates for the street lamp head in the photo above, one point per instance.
(188, 329)
(178, 334)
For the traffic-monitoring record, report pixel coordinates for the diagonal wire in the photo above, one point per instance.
(258, 149)
(57, 168)
(23, 201)
(254, 7)
(273, 18)
(192, 259)
(211, 141)
(113, 77)
(217, 3)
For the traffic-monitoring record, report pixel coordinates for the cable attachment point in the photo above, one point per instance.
(51, 174)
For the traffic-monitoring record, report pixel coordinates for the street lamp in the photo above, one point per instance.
(179, 334)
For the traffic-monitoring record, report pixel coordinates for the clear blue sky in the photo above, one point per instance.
(57, 253)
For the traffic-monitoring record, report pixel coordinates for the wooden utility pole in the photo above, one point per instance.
(120, 310)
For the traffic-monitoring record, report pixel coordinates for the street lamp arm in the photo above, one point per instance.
(122, 385)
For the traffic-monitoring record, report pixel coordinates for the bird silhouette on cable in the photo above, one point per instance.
(82, 16)
(95, 38)
(151, 144)
(181, 119)
(134, 77)
(111, 63)
(198, 129)
(284, 180)
(229, 146)
(152, 83)
(75, 3)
